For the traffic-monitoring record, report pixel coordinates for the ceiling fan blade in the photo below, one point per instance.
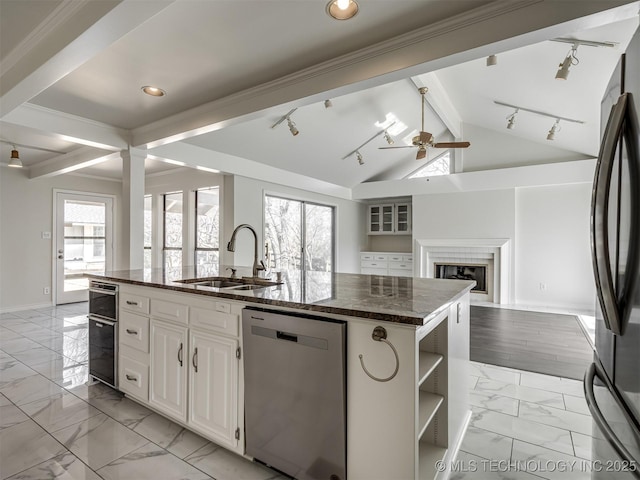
(422, 153)
(402, 146)
(451, 145)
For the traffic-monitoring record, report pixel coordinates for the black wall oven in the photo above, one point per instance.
(103, 332)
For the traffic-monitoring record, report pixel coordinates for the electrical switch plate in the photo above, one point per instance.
(46, 235)
(46, 291)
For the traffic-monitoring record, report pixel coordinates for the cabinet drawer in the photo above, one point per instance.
(373, 264)
(395, 258)
(134, 331)
(216, 320)
(401, 265)
(134, 303)
(133, 378)
(169, 311)
(407, 258)
(366, 256)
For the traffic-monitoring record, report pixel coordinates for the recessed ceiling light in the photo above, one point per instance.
(153, 91)
(342, 9)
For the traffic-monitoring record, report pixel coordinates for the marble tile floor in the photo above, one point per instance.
(524, 426)
(53, 425)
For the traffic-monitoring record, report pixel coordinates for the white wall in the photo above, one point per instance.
(552, 229)
(248, 208)
(26, 208)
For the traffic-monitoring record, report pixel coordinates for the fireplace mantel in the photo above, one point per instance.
(495, 250)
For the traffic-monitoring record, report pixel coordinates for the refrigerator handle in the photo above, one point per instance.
(600, 217)
(593, 371)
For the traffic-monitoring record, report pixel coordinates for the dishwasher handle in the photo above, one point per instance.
(286, 336)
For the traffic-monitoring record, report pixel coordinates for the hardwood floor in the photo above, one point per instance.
(546, 343)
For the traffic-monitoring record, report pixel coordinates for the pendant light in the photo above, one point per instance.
(15, 159)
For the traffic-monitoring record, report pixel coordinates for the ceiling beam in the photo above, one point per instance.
(500, 24)
(439, 100)
(184, 154)
(69, 162)
(89, 28)
(69, 127)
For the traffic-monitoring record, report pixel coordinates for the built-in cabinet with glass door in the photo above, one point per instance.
(389, 219)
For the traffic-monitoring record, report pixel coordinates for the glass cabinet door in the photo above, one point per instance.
(387, 218)
(374, 218)
(403, 218)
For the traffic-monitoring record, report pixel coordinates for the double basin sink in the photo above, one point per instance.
(230, 283)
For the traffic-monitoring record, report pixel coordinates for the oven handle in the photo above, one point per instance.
(103, 292)
(101, 320)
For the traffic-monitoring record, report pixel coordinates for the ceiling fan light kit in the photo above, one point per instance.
(342, 9)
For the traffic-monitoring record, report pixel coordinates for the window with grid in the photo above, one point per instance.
(207, 243)
(172, 219)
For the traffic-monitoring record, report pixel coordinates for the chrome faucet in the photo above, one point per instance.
(231, 246)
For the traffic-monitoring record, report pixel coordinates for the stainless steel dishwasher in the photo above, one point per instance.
(295, 393)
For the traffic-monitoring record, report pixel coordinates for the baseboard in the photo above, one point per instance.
(33, 306)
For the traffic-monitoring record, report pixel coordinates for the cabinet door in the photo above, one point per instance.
(388, 219)
(374, 220)
(213, 386)
(403, 218)
(169, 360)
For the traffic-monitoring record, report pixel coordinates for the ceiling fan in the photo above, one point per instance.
(425, 139)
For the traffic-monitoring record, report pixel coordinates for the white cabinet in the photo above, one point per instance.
(169, 353)
(213, 386)
(389, 219)
(384, 263)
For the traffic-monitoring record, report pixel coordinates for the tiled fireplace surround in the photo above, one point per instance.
(494, 252)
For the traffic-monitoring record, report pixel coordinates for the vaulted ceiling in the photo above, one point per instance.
(71, 72)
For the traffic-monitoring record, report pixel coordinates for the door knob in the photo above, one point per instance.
(61, 251)
(60, 257)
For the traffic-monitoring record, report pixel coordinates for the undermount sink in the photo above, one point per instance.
(244, 283)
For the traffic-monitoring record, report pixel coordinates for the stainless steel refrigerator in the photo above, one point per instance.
(612, 383)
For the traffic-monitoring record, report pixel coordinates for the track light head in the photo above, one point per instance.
(328, 104)
(492, 60)
(388, 138)
(15, 159)
(554, 129)
(512, 119)
(292, 127)
(359, 157)
(571, 59)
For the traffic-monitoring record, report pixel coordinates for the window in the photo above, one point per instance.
(299, 235)
(441, 165)
(207, 225)
(148, 224)
(172, 245)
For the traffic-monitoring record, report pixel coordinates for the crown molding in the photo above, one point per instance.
(62, 13)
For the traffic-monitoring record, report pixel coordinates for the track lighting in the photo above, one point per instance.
(512, 119)
(554, 129)
(15, 159)
(492, 60)
(388, 138)
(359, 157)
(356, 151)
(328, 104)
(571, 58)
(292, 127)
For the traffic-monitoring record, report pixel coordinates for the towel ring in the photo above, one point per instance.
(380, 335)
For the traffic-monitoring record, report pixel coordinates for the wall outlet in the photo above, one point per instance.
(46, 290)
(543, 286)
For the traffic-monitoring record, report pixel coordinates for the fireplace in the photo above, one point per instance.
(477, 272)
(466, 255)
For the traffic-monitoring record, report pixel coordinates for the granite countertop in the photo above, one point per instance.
(407, 300)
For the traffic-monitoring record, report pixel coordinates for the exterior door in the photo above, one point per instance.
(213, 382)
(83, 242)
(169, 357)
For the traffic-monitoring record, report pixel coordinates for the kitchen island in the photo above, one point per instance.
(180, 353)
